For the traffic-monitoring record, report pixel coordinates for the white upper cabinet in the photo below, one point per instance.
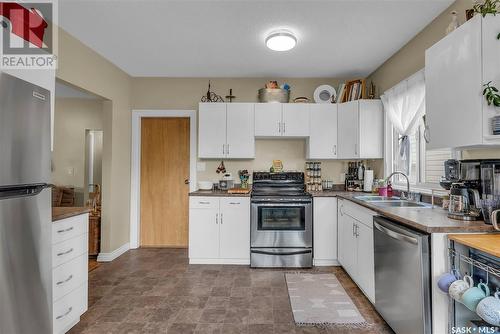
(322, 143)
(226, 131)
(268, 119)
(295, 120)
(361, 130)
(212, 130)
(456, 68)
(240, 131)
(281, 120)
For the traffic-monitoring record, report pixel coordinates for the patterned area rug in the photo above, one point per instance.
(320, 300)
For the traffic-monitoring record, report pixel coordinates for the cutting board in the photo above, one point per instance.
(239, 191)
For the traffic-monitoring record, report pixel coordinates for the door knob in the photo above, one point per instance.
(186, 181)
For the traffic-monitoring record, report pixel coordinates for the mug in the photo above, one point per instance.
(446, 279)
(458, 287)
(489, 309)
(474, 295)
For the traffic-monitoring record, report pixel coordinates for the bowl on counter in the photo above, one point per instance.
(205, 185)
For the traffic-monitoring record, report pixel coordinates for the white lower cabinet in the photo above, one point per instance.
(356, 252)
(325, 231)
(69, 271)
(219, 230)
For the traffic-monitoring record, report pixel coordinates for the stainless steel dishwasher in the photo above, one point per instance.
(402, 277)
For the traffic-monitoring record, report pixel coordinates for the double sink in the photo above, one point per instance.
(391, 202)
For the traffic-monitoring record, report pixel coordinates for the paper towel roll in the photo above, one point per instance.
(368, 180)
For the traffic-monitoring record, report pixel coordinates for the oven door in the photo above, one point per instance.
(281, 223)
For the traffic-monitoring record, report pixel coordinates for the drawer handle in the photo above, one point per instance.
(66, 252)
(65, 314)
(234, 203)
(65, 281)
(66, 230)
(204, 202)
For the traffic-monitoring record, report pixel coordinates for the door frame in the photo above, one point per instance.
(135, 173)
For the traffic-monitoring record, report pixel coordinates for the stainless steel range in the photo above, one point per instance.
(281, 221)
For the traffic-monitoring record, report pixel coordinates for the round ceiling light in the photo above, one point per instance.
(281, 40)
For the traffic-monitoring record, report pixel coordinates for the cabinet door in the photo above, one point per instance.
(365, 261)
(295, 120)
(212, 130)
(371, 129)
(268, 119)
(491, 68)
(453, 88)
(347, 243)
(348, 127)
(240, 131)
(325, 230)
(235, 228)
(204, 231)
(323, 138)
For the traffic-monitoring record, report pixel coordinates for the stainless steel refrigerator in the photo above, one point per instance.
(25, 208)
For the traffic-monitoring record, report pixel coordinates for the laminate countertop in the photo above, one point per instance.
(488, 243)
(218, 193)
(428, 220)
(64, 212)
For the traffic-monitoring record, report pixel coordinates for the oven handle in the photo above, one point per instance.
(274, 203)
(307, 251)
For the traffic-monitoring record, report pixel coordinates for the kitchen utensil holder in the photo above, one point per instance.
(475, 263)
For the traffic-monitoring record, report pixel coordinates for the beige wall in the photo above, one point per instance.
(82, 67)
(185, 93)
(72, 118)
(411, 58)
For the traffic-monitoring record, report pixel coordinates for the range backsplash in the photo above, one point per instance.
(291, 151)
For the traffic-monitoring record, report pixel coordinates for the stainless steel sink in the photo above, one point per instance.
(400, 204)
(370, 198)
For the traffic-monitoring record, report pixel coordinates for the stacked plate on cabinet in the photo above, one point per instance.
(495, 123)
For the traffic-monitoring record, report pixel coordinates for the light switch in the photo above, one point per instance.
(70, 171)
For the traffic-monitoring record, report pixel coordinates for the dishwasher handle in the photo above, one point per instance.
(395, 235)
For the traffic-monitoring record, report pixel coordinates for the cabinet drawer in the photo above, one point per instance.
(68, 309)
(68, 276)
(196, 202)
(69, 228)
(361, 214)
(69, 249)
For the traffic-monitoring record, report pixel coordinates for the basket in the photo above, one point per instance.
(274, 95)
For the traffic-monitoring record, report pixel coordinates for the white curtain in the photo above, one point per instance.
(405, 105)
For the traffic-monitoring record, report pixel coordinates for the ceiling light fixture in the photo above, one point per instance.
(281, 40)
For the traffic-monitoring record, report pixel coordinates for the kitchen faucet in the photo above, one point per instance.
(407, 184)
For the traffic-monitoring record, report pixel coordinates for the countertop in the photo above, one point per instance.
(64, 212)
(488, 243)
(219, 193)
(428, 220)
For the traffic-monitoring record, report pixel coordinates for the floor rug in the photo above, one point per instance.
(320, 300)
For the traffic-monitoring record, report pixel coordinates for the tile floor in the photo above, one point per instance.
(156, 291)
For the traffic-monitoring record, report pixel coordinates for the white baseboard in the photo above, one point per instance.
(108, 257)
(325, 263)
(220, 261)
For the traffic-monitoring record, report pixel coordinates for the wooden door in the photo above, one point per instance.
(164, 192)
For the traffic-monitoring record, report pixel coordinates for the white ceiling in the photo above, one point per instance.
(225, 38)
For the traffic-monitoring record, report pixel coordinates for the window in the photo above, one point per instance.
(405, 110)
(426, 166)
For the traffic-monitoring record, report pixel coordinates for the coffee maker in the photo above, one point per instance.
(464, 202)
(478, 182)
